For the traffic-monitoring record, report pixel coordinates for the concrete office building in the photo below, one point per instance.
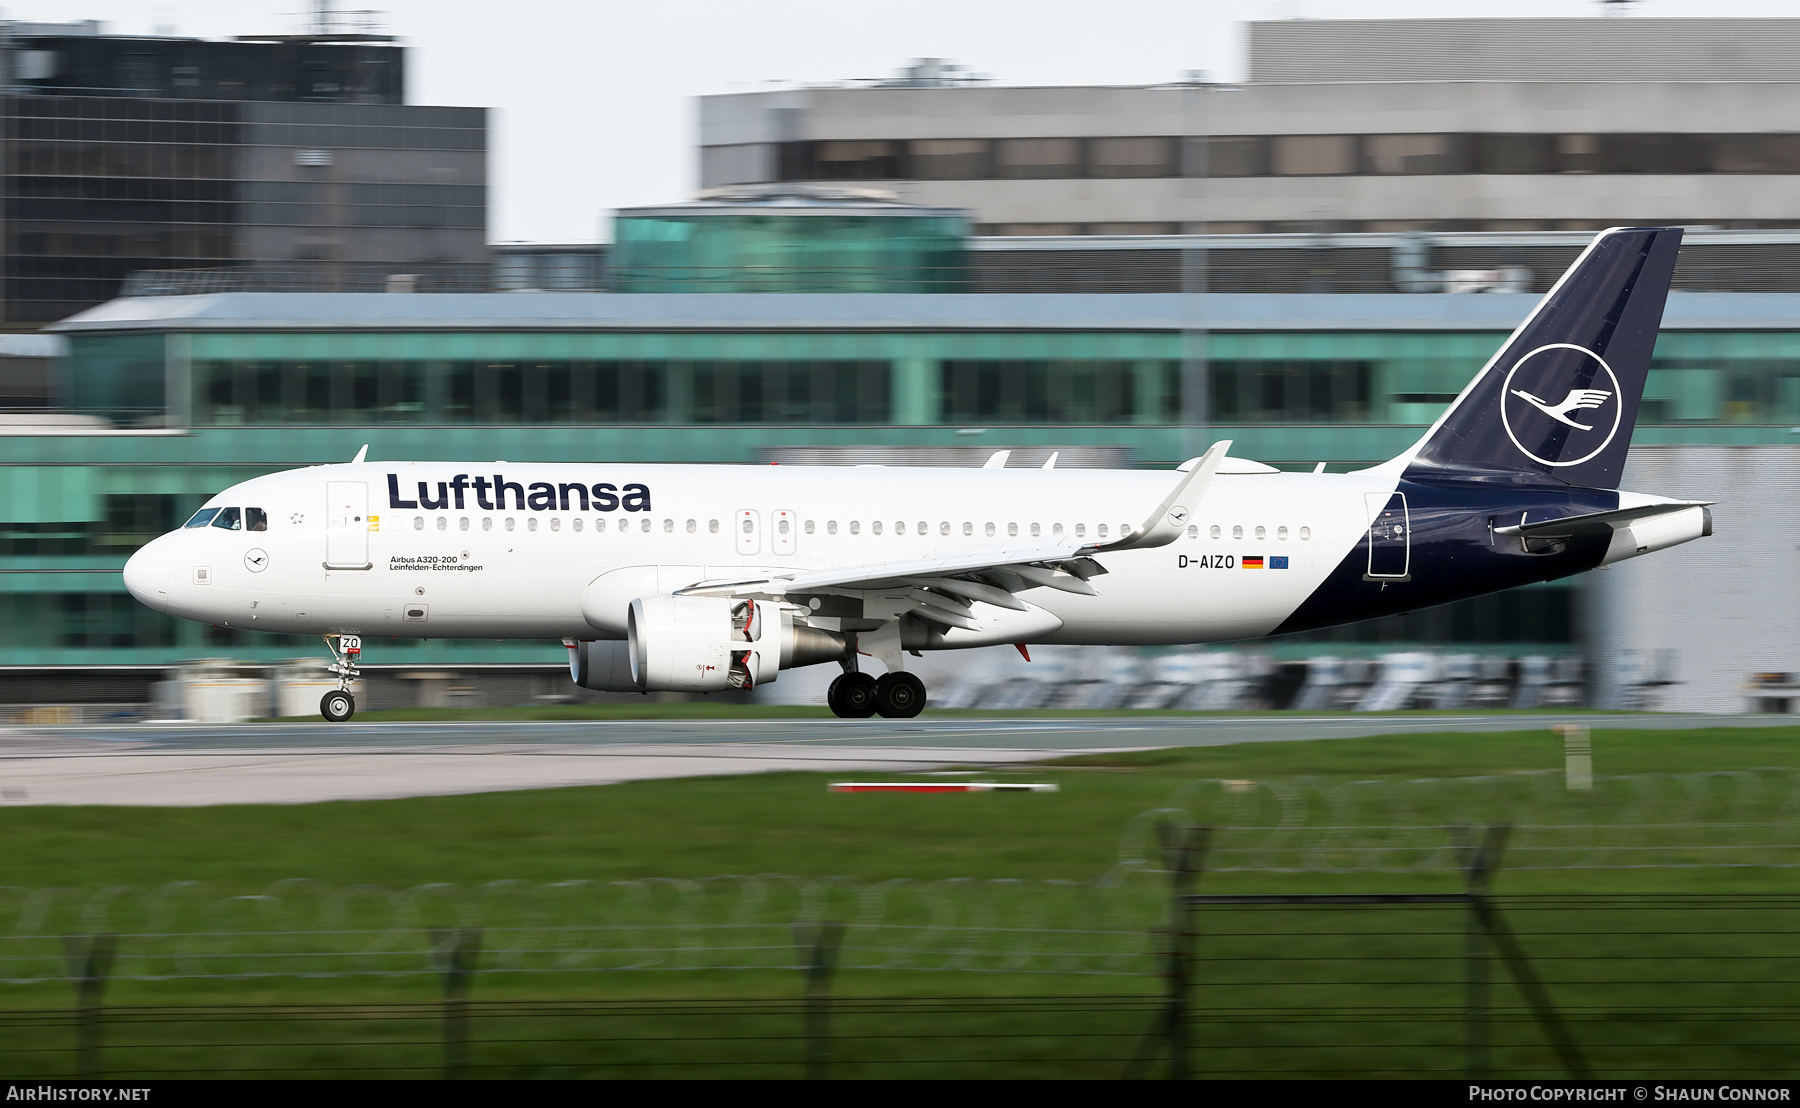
(125, 154)
(1379, 125)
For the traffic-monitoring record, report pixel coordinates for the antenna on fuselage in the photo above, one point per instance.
(360, 455)
(1050, 462)
(998, 461)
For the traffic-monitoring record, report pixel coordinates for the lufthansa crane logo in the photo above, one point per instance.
(1561, 405)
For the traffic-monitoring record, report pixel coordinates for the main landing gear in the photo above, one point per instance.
(895, 695)
(339, 705)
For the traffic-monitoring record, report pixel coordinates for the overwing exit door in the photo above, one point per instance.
(748, 527)
(347, 525)
(1390, 536)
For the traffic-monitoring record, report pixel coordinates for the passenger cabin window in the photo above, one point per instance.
(230, 519)
(255, 519)
(1215, 531)
(202, 517)
(418, 523)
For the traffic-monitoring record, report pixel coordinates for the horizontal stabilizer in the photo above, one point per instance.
(1596, 523)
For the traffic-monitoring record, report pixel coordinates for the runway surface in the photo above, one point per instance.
(175, 764)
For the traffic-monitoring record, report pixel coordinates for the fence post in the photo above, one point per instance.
(90, 959)
(819, 946)
(1184, 849)
(455, 953)
(1480, 860)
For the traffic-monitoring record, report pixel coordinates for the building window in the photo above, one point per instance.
(857, 160)
(950, 159)
(1501, 153)
(1290, 391)
(1414, 154)
(1312, 155)
(1037, 392)
(1235, 156)
(1131, 157)
(1037, 158)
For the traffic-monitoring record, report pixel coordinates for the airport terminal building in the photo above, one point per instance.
(831, 322)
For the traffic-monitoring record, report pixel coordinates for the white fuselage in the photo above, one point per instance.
(330, 563)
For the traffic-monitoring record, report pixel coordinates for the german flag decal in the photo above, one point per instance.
(1253, 561)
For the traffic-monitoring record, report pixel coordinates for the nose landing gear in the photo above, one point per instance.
(339, 705)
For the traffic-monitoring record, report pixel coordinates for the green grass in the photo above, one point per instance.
(788, 824)
(771, 823)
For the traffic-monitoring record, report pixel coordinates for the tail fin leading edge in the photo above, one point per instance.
(1560, 399)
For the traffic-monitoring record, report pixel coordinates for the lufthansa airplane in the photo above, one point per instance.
(710, 578)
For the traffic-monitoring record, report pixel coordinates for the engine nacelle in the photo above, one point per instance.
(702, 643)
(603, 665)
(755, 641)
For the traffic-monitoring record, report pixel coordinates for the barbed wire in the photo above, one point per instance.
(299, 928)
(1107, 926)
(1730, 818)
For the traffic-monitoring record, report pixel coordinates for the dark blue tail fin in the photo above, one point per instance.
(1559, 401)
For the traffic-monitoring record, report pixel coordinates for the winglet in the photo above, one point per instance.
(1170, 519)
(360, 455)
(998, 461)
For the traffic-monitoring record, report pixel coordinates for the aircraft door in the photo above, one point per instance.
(347, 525)
(1390, 537)
(784, 522)
(748, 529)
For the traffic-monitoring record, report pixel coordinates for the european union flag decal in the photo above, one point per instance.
(1278, 561)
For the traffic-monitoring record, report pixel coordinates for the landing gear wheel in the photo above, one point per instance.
(899, 695)
(337, 706)
(852, 696)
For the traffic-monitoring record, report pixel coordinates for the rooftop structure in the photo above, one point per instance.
(790, 238)
(1385, 125)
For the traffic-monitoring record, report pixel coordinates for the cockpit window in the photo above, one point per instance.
(202, 517)
(230, 519)
(255, 519)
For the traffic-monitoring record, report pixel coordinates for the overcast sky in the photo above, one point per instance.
(593, 103)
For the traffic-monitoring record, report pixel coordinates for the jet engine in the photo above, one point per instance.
(700, 644)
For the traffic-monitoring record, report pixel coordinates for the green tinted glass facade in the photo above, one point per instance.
(192, 409)
(789, 253)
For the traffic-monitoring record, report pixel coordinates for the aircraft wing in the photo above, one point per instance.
(1595, 523)
(943, 587)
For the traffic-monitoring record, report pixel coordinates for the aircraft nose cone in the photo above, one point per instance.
(147, 575)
